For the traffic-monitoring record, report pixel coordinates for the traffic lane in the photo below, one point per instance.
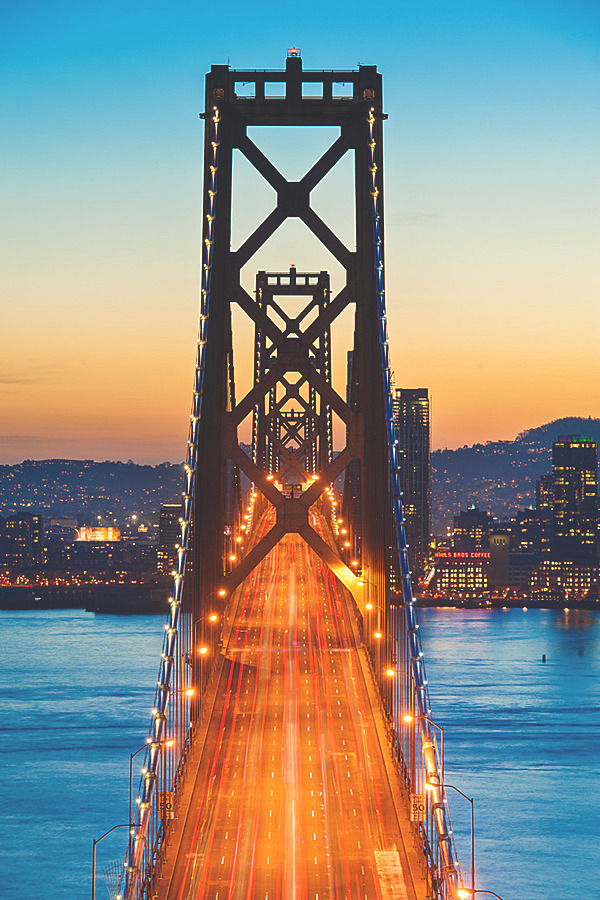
(339, 857)
(351, 842)
(223, 751)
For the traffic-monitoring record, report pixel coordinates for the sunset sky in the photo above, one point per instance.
(492, 208)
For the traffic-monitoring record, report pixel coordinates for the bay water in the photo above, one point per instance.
(522, 737)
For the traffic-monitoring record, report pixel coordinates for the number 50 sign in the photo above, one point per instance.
(417, 807)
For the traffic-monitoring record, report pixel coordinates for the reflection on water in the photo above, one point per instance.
(522, 737)
(576, 619)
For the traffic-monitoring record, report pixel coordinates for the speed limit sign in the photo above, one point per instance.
(417, 807)
(165, 804)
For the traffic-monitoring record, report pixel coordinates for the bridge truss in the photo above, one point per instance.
(291, 465)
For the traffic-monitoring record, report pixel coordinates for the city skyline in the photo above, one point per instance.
(491, 213)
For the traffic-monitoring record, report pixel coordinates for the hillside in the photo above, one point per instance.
(72, 487)
(500, 475)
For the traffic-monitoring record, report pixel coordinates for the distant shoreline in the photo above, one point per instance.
(440, 603)
(152, 600)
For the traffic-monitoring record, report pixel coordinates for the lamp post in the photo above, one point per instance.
(409, 718)
(472, 892)
(441, 729)
(391, 671)
(97, 841)
(463, 893)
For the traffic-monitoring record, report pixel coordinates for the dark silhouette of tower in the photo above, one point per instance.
(411, 413)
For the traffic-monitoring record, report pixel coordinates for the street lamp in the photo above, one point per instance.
(97, 841)
(463, 893)
(409, 718)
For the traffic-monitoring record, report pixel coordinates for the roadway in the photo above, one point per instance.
(291, 797)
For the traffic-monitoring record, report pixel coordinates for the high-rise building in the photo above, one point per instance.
(472, 529)
(352, 495)
(23, 541)
(544, 503)
(412, 418)
(575, 498)
(168, 537)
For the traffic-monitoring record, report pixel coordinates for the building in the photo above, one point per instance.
(472, 529)
(412, 420)
(98, 533)
(526, 532)
(565, 581)
(352, 492)
(168, 537)
(22, 541)
(544, 502)
(462, 571)
(575, 498)
(499, 569)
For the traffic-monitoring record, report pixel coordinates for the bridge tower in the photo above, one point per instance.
(304, 351)
(304, 434)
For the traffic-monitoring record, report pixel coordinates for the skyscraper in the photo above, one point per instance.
(22, 541)
(471, 529)
(411, 414)
(544, 503)
(168, 537)
(575, 500)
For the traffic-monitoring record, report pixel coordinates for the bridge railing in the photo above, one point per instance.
(170, 732)
(418, 747)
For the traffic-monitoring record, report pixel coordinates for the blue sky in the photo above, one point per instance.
(492, 213)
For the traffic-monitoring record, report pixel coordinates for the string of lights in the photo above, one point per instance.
(444, 836)
(157, 735)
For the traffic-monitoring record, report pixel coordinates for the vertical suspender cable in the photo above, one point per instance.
(442, 823)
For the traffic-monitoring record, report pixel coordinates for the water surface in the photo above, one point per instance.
(522, 738)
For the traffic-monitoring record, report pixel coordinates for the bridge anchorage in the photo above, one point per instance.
(291, 738)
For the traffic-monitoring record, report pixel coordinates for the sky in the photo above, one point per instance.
(492, 208)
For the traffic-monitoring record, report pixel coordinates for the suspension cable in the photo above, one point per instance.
(442, 822)
(157, 734)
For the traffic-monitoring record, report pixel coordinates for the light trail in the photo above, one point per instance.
(292, 797)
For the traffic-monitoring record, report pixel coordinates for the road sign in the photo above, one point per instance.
(165, 805)
(417, 807)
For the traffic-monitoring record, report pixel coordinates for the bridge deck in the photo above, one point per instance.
(290, 795)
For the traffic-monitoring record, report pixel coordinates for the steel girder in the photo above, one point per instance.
(279, 352)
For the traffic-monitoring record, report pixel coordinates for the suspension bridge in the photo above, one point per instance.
(292, 751)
